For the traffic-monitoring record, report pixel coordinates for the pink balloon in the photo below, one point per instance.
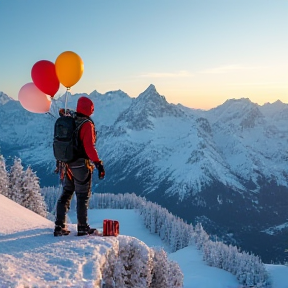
(34, 100)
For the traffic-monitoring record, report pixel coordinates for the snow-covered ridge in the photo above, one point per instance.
(202, 162)
(4, 98)
(244, 140)
(30, 256)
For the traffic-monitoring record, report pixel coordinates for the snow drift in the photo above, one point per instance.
(32, 257)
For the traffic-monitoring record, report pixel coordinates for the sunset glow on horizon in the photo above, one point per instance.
(196, 53)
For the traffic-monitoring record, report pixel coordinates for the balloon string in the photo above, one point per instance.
(50, 114)
(66, 99)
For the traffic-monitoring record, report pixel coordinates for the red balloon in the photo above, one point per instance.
(44, 76)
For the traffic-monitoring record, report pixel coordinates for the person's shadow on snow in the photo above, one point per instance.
(29, 240)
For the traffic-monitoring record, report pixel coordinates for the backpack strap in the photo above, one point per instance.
(79, 125)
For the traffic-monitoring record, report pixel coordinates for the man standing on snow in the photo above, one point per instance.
(78, 174)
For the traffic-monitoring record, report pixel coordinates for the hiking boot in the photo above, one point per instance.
(85, 230)
(60, 231)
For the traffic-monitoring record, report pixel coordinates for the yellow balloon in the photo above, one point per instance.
(69, 68)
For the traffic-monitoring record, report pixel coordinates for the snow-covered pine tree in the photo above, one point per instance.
(220, 255)
(147, 217)
(160, 271)
(241, 273)
(51, 195)
(4, 179)
(134, 264)
(200, 236)
(15, 181)
(168, 227)
(249, 269)
(159, 219)
(180, 228)
(108, 269)
(174, 237)
(176, 276)
(188, 232)
(32, 198)
(153, 220)
(207, 252)
(230, 263)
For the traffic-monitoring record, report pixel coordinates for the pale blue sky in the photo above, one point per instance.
(196, 52)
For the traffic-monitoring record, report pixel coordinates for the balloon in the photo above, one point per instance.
(34, 100)
(44, 76)
(69, 68)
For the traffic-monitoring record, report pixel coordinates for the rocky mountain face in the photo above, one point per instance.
(226, 167)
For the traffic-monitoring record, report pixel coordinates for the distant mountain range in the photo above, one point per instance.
(226, 167)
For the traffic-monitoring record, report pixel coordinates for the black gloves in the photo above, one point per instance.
(99, 166)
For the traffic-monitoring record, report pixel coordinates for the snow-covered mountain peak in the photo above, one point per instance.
(147, 107)
(150, 95)
(276, 109)
(111, 95)
(151, 89)
(94, 94)
(240, 112)
(277, 104)
(4, 98)
(232, 105)
(155, 104)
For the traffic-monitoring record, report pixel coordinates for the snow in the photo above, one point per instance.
(198, 274)
(279, 275)
(275, 229)
(15, 218)
(134, 227)
(246, 139)
(30, 255)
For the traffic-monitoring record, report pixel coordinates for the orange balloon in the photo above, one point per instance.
(69, 68)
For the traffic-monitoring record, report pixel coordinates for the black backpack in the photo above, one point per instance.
(65, 144)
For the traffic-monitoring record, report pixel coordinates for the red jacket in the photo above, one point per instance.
(88, 138)
(87, 132)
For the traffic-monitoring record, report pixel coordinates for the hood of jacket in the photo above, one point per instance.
(85, 106)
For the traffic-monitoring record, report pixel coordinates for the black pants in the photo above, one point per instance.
(77, 179)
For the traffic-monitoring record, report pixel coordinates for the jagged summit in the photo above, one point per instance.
(242, 112)
(277, 110)
(149, 104)
(109, 95)
(94, 93)
(239, 103)
(233, 105)
(150, 93)
(117, 93)
(151, 89)
(276, 103)
(4, 98)
(273, 108)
